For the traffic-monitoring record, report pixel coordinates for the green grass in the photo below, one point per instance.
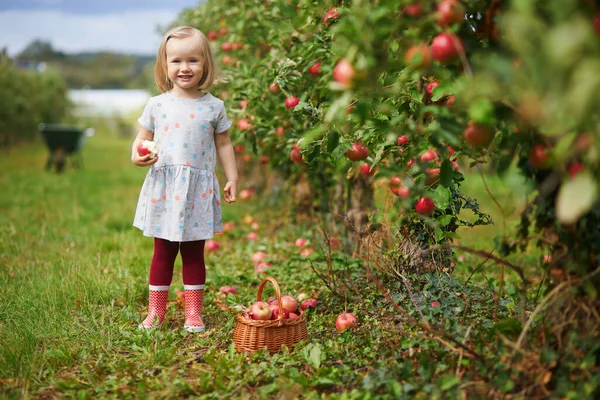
(74, 276)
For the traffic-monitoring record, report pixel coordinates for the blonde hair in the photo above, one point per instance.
(210, 74)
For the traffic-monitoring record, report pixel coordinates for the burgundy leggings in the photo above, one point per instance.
(192, 257)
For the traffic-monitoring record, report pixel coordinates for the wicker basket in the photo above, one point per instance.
(251, 335)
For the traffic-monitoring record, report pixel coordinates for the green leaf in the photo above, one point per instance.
(315, 356)
(333, 139)
(441, 197)
(447, 382)
(481, 111)
(446, 173)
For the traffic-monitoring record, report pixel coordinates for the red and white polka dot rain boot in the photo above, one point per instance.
(194, 296)
(157, 307)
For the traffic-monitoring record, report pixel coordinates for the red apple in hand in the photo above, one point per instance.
(346, 320)
(358, 152)
(147, 147)
(261, 311)
(425, 206)
(575, 168)
(446, 47)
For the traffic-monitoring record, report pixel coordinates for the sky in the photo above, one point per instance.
(73, 26)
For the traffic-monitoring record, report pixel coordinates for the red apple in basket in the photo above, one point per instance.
(346, 320)
(147, 147)
(293, 315)
(275, 315)
(261, 311)
(289, 303)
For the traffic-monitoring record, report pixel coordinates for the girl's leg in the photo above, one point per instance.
(161, 274)
(194, 277)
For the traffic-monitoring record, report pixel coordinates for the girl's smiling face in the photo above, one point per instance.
(184, 65)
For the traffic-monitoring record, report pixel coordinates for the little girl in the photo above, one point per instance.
(180, 204)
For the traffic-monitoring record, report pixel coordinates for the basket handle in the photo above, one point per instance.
(277, 294)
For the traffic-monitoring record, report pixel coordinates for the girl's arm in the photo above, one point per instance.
(227, 157)
(143, 134)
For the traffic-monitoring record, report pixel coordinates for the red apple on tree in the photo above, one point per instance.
(367, 170)
(346, 321)
(418, 57)
(404, 139)
(477, 135)
(315, 69)
(343, 73)
(425, 206)
(398, 188)
(331, 14)
(212, 35)
(575, 168)
(226, 46)
(450, 12)
(300, 242)
(429, 155)
(244, 124)
(279, 131)
(223, 31)
(430, 86)
(296, 155)
(274, 88)
(413, 10)
(539, 156)
(358, 152)
(261, 311)
(291, 102)
(446, 47)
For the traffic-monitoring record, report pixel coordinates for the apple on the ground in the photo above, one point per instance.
(345, 321)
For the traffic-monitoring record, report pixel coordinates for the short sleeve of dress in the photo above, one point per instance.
(223, 123)
(147, 118)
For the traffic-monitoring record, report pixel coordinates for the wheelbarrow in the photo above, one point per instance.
(64, 142)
